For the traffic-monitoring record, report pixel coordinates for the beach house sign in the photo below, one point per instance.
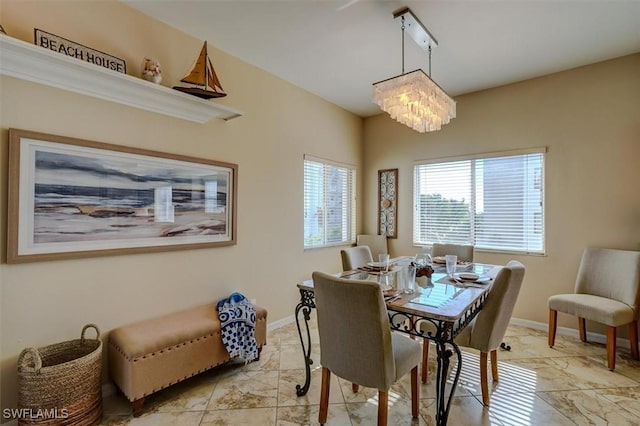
(78, 51)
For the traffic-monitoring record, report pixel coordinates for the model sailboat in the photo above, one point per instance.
(204, 77)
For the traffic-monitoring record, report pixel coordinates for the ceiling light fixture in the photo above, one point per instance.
(412, 98)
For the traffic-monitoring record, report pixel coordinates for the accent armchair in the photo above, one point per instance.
(606, 291)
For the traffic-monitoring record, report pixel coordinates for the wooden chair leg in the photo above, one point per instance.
(582, 326)
(494, 365)
(483, 378)
(355, 387)
(633, 339)
(553, 317)
(611, 347)
(383, 408)
(137, 407)
(425, 359)
(415, 393)
(324, 396)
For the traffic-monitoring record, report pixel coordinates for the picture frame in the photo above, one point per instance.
(388, 202)
(74, 198)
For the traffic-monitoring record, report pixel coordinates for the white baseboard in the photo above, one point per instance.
(571, 332)
(280, 323)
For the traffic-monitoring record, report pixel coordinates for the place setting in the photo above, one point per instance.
(375, 268)
(382, 267)
(470, 278)
(466, 279)
(442, 261)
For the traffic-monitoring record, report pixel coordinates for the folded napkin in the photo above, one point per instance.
(238, 320)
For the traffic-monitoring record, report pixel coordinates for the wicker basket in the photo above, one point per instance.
(60, 384)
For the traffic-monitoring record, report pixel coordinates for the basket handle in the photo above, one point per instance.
(85, 329)
(37, 361)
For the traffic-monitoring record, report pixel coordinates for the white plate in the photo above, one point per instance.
(439, 259)
(391, 293)
(468, 276)
(377, 264)
(473, 278)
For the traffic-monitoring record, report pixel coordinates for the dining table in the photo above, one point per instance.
(446, 302)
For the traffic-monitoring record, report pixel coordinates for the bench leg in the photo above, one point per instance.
(137, 407)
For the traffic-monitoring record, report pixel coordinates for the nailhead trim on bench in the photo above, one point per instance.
(157, 352)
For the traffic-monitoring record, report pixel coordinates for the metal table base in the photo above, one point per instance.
(443, 337)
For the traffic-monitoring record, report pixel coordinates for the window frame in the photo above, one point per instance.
(350, 216)
(539, 179)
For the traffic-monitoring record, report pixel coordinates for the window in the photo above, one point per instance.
(164, 209)
(492, 202)
(329, 203)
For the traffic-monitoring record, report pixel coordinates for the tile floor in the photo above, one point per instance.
(567, 385)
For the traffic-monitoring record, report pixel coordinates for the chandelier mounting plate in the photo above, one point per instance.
(418, 32)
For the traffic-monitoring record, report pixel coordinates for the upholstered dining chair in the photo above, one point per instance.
(355, 257)
(365, 351)
(606, 292)
(487, 329)
(464, 253)
(377, 243)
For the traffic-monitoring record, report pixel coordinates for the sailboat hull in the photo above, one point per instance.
(201, 93)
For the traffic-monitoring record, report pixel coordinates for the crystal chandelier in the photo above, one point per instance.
(412, 98)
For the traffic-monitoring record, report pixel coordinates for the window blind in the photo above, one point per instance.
(329, 203)
(493, 202)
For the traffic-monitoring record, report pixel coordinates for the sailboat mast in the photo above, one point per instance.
(206, 68)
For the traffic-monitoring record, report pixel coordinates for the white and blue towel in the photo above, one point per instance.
(238, 321)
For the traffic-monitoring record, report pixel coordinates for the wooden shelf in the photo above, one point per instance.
(33, 63)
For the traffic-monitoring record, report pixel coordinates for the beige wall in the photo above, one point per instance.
(589, 118)
(47, 302)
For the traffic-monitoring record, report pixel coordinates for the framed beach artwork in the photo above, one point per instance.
(71, 198)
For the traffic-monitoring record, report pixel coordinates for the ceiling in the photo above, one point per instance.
(337, 49)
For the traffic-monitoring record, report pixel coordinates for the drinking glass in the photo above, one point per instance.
(450, 261)
(409, 280)
(383, 259)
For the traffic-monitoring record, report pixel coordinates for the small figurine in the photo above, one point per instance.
(151, 70)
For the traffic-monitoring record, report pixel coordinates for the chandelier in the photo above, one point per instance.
(413, 98)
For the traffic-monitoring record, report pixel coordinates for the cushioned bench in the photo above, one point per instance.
(153, 354)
